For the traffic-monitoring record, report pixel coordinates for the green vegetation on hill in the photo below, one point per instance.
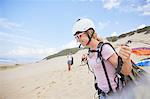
(111, 39)
(63, 53)
(145, 29)
(115, 38)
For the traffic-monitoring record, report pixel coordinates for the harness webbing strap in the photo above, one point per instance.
(100, 45)
(90, 38)
(106, 74)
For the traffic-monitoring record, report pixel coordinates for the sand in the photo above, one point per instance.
(47, 80)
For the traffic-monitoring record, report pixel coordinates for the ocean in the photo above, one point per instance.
(18, 60)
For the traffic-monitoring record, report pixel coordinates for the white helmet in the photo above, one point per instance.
(83, 25)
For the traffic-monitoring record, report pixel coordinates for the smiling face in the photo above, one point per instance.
(82, 38)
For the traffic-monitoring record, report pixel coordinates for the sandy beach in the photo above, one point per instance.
(47, 80)
(50, 79)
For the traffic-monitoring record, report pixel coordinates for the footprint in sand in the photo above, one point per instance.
(69, 77)
(38, 96)
(38, 87)
(70, 84)
(51, 83)
(38, 93)
(42, 90)
(69, 80)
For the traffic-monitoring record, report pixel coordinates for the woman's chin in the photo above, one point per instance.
(84, 45)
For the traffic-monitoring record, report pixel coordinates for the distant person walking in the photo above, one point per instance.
(69, 61)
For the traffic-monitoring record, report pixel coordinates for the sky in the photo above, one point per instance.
(33, 29)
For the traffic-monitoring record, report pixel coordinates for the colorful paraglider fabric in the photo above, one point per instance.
(141, 51)
(144, 63)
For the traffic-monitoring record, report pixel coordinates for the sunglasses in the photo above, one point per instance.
(78, 36)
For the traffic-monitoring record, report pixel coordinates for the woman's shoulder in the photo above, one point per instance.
(107, 51)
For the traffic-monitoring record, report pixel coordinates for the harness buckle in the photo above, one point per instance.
(118, 76)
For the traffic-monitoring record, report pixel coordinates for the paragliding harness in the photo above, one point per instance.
(136, 72)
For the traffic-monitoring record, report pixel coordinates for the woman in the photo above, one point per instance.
(84, 32)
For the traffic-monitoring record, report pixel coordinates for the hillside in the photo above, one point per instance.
(145, 31)
(63, 53)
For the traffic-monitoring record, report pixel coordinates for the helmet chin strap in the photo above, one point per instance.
(90, 38)
(80, 46)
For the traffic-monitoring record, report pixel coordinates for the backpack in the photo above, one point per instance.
(136, 72)
(71, 60)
